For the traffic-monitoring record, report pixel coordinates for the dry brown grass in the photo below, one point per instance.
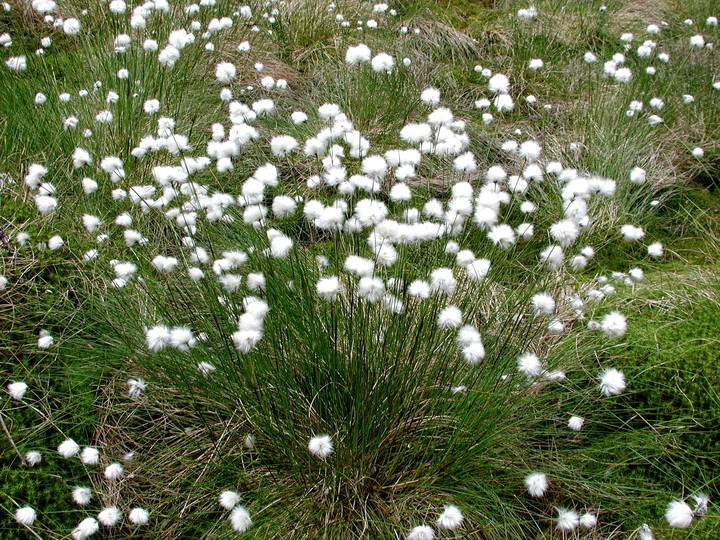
(638, 14)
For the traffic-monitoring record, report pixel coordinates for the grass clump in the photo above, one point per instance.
(324, 271)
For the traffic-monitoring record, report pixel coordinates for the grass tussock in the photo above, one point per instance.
(356, 270)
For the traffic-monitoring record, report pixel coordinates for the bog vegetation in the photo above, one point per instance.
(310, 269)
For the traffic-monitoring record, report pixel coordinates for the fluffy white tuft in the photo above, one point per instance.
(139, 516)
(17, 390)
(421, 532)
(536, 484)
(567, 520)
(82, 495)
(109, 516)
(679, 514)
(321, 446)
(240, 519)
(68, 448)
(451, 518)
(25, 516)
(85, 529)
(229, 499)
(612, 382)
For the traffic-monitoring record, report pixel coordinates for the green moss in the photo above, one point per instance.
(671, 357)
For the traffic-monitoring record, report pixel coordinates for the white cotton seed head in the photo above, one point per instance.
(614, 324)
(529, 364)
(182, 338)
(225, 72)
(358, 54)
(450, 317)
(372, 289)
(419, 289)
(612, 382)
(567, 520)
(45, 341)
(55, 243)
(679, 514)
(17, 63)
(157, 337)
(25, 516)
(421, 532)
(576, 423)
(321, 446)
(655, 249)
(502, 235)
(443, 281)
(478, 269)
(151, 106)
(588, 520)
(431, 96)
(139, 516)
(82, 495)
(282, 145)
(33, 457)
(230, 282)
(530, 151)
(90, 456)
(474, 352)
(68, 448)
(645, 532)
(451, 518)
(109, 516)
(631, 232)
(499, 83)
(85, 529)
(281, 246)
(543, 304)
(553, 256)
(329, 288)
(564, 232)
(468, 335)
(638, 175)
(17, 390)
(383, 63)
(114, 471)
(229, 499)
(71, 27)
(536, 484)
(240, 519)
(249, 441)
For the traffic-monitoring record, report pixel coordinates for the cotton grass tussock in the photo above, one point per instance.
(426, 241)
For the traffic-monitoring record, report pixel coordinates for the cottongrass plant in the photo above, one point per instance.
(327, 328)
